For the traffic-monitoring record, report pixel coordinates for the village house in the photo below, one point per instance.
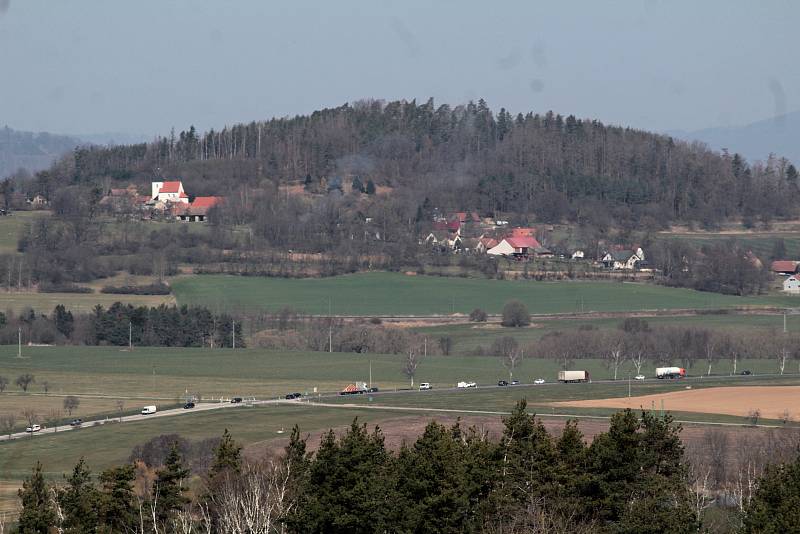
(167, 192)
(197, 210)
(784, 267)
(792, 284)
(515, 247)
(626, 260)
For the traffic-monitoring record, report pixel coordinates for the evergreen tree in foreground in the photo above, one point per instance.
(80, 501)
(228, 456)
(168, 487)
(37, 515)
(117, 504)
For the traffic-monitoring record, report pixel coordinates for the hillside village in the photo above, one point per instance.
(167, 199)
(469, 233)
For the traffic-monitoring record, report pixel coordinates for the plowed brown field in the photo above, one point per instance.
(772, 401)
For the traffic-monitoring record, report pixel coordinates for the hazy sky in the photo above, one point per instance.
(144, 66)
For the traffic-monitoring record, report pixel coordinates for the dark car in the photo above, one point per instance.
(188, 406)
(502, 383)
(236, 400)
(291, 396)
(746, 372)
(76, 422)
(372, 390)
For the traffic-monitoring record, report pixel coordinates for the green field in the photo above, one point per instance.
(761, 243)
(467, 337)
(11, 227)
(99, 375)
(382, 293)
(75, 302)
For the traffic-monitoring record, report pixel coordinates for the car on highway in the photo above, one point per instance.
(425, 385)
(236, 400)
(463, 385)
(539, 381)
(746, 372)
(188, 406)
(33, 428)
(291, 396)
(515, 382)
(76, 422)
(502, 383)
(373, 389)
(639, 377)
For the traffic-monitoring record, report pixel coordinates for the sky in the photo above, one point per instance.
(145, 66)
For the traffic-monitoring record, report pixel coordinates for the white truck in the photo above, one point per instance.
(147, 410)
(670, 372)
(573, 376)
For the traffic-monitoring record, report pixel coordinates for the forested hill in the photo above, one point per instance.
(31, 151)
(546, 167)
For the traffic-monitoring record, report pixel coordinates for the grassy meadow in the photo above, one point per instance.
(383, 293)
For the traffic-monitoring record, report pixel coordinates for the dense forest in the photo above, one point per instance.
(634, 478)
(362, 183)
(465, 157)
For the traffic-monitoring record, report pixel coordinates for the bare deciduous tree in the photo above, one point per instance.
(71, 403)
(3, 383)
(120, 408)
(7, 422)
(53, 418)
(410, 364)
(24, 380)
(30, 416)
(254, 502)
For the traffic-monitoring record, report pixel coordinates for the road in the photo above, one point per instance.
(319, 401)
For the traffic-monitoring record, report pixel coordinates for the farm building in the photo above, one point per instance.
(517, 247)
(784, 267)
(197, 210)
(792, 284)
(621, 260)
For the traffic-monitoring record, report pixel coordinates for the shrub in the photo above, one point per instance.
(158, 288)
(477, 316)
(515, 313)
(63, 287)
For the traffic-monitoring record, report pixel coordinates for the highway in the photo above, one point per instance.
(319, 400)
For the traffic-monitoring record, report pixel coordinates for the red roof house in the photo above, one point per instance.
(784, 266)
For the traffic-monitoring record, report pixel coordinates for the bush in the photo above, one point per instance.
(515, 313)
(477, 316)
(63, 287)
(158, 288)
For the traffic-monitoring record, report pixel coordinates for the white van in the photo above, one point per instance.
(147, 410)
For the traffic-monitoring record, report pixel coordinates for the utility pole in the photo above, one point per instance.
(130, 336)
(629, 385)
(425, 344)
(784, 321)
(370, 374)
(233, 333)
(330, 327)
(19, 342)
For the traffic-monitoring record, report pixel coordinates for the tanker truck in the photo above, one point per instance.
(670, 372)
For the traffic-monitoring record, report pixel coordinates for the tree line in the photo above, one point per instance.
(123, 324)
(633, 478)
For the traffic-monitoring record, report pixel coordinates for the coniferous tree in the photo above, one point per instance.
(37, 515)
(228, 456)
(168, 490)
(370, 190)
(80, 501)
(775, 506)
(117, 500)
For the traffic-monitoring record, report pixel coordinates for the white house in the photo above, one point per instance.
(169, 192)
(515, 246)
(792, 284)
(621, 260)
(578, 255)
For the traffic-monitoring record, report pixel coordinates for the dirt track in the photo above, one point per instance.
(772, 401)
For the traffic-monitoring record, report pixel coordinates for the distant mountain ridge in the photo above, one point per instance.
(779, 135)
(31, 151)
(36, 151)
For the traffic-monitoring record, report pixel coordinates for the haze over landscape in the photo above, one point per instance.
(457, 267)
(148, 67)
